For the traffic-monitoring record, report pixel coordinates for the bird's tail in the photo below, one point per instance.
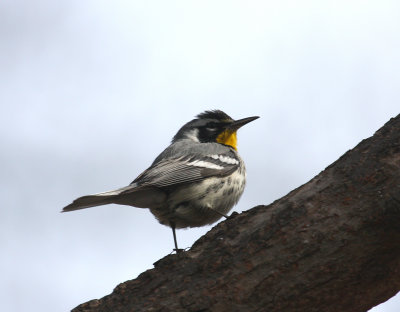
(94, 200)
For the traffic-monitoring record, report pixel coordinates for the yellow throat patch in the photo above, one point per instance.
(228, 137)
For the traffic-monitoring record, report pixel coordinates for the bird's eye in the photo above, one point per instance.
(211, 129)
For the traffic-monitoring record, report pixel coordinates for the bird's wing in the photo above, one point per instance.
(148, 189)
(172, 171)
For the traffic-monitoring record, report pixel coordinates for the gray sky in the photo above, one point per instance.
(92, 91)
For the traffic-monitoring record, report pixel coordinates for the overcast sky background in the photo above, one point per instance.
(92, 91)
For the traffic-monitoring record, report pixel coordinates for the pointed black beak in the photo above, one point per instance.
(235, 125)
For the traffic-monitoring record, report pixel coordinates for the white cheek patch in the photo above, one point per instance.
(193, 135)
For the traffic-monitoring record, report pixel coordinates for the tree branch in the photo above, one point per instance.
(332, 244)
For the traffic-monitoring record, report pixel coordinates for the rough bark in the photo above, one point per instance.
(333, 244)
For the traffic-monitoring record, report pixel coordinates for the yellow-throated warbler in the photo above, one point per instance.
(193, 182)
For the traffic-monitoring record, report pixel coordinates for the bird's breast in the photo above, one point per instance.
(204, 202)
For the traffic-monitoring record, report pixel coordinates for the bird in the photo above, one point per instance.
(194, 182)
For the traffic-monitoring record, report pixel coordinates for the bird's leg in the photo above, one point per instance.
(220, 213)
(177, 250)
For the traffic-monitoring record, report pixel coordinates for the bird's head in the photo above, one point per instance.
(212, 126)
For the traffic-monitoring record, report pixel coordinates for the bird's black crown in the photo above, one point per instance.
(214, 114)
(205, 128)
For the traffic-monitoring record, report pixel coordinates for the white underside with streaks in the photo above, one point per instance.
(198, 204)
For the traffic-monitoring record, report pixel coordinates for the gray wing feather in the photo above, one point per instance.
(141, 197)
(181, 170)
(172, 167)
